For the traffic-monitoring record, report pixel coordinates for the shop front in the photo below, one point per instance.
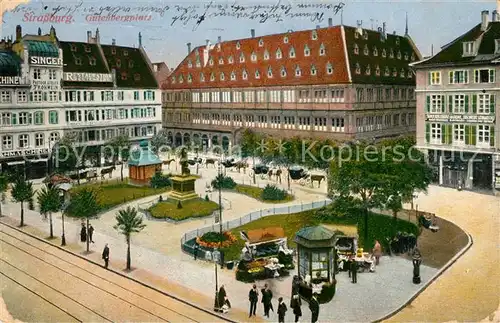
(31, 163)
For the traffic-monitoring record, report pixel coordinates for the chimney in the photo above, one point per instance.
(18, 32)
(252, 32)
(39, 31)
(207, 43)
(140, 40)
(317, 26)
(494, 16)
(484, 19)
(189, 48)
(89, 37)
(97, 37)
(384, 34)
(113, 42)
(219, 39)
(330, 22)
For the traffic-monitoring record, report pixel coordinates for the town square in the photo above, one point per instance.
(335, 173)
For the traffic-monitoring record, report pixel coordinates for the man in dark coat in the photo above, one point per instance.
(91, 233)
(222, 296)
(295, 305)
(267, 296)
(83, 233)
(354, 271)
(105, 256)
(195, 251)
(253, 297)
(281, 310)
(314, 307)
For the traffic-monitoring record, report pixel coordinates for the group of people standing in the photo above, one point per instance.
(295, 304)
(83, 233)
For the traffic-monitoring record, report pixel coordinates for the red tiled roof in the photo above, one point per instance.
(330, 37)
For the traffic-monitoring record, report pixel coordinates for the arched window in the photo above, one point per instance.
(322, 51)
(298, 71)
(233, 76)
(292, 52)
(307, 51)
(202, 77)
(269, 72)
(244, 74)
(313, 70)
(266, 55)
(329, 68)
(253, 57)
(283, 71)
(257, 74)
(222, 77)
(278, 53)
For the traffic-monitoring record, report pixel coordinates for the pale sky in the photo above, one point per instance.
(430, 23)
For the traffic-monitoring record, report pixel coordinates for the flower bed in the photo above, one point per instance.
(216, 240)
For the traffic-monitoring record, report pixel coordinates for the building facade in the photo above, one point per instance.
(90, 90)
(338, 82)
(457, 108)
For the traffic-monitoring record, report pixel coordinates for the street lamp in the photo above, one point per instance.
(64, 192)
(216, 257)
(220, 197)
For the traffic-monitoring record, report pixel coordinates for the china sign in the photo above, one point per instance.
(10, 80)
(51, 61)
(45, 85)
(24, 153)
(460, 118)
(88, 77)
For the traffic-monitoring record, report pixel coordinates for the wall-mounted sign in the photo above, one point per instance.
(45, 85)
(24, 153)
(10, 80)
(457, 118)
(88, 77)
(37, 60)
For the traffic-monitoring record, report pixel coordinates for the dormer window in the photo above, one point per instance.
(285, 39)
(202, 77)
(356, 49)
(366, 51)
(222, 77)
(313, 70)
(368, 70)
(387, 72)
(266, 55)
(173, 80)
(198, 63)
(87, 49)
(253, 57)
(298, 71)
(181, 79)
(211, 61)
(314, 35)
(278, 53)
(409, 74)
(244, 74)
(73, 47)
(190, 78)
(397, 40)
(406, 56)
(391, 53)
(238, 46)
(242, 58)
(118, 62)
(233, 76)
(125, 53)
(377, 70)
(218, 47)
(113, 50)
(78, 61)
(190, 64)
(468, 48)
(402, 73)
(358, 69)
(329, 68)
(212, 77)
(292, 53)
(257, 74)
(230, 59)
(497, 46)
(261, 42)
(92, 61)
(130, 64)
(269, 72)
(307, 51)
(394, 72)
(365, 35)
(137, 77)
(283, 72)
(322, 51)
(356, 34)
(375, 51)
(398, 55)
(221, 61)
(384, 53)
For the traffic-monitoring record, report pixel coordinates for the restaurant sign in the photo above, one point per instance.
(460, 118)
(51, 61)
(24, 153)
(88, 77)
(45, 85)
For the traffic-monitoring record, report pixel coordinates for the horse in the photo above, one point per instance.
(91, 174)
(276, 173)
(239, 165)
(209, 161)
(168, 162)
(316, 178)
(108, 170)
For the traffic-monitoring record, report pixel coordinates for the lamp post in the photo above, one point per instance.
(215, 257)
(220, 198)
(416, 260)
(65, 205)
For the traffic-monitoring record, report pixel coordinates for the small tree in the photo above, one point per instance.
(49, 202)
(22, 192)
(84, 205)
(159, 140)
(121, 150)
(128, 222)
(250, 142)
(4, 185)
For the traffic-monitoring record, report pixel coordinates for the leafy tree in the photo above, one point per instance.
(22, 192)
(159, 140)
(250, 143)
(4, 185)
(128, 222)
(84, 205)
(49, 202)
(120, 150)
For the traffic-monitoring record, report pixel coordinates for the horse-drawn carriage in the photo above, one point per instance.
(304, 177)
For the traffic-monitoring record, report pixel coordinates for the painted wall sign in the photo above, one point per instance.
(37, 60)
(45, 85)
(88, 77)
(457, 118)
(23, 153)
(10, 80)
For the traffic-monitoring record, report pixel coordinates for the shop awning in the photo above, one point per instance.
(264, 235)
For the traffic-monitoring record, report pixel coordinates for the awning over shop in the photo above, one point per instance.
(264, 235)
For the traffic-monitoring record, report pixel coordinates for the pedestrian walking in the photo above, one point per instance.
(314, 307)
(354, 271)
(83, 233)
(349, 263)
(377, 252)
(267, 296)
(253, 297)
(281, 310)
(295, 305)
(105, 256)
(195, 254)
(91, 233)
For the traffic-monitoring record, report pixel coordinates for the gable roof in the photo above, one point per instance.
(452, 53)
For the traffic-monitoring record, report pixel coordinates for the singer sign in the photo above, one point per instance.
(49, 61)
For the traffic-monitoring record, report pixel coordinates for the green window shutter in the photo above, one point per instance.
(444, 133)
(56, 117)
(466, 77)
(31, 97)
(474, 103)
(473, 135)
(428, 105)
(449, 132)
(30, 118)
(450, 79)
(427, 132)
(466, 103)
(153, 95)
(467, 135)
(492, 76)
(476, 76)
(14, 118)
(443, 104)
(430, 78)
(492, 103)
(450, 103)
(492, 136)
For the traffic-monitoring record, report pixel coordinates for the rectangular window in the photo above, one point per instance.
(39, 140)
(149, 95)
(6, 119)
(483, 104)
(52, 74)
(53, 96)
(106, 95)
(38, 118)
(459, 77)
(436, 133)
(215, 96)
(468, 48)
(483, 135)
(395, 119)
(435, 78)
(23, 141)
(459, 103)
(5, 97)
(136, 96)
(459, 133)
(36, 96)
(53, 117)
(22, 96)
(436, 103)
(24, 118)
(484, 76)
(120, 95)
(7, 142)
(37, 74)
(88, 96)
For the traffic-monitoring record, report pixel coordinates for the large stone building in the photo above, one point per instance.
(457, 107)
(91, 90)
(338, 82)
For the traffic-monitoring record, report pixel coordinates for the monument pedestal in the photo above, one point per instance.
(183, 188)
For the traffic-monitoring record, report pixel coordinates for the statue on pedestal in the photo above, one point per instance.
(184, 162)
(417, 261)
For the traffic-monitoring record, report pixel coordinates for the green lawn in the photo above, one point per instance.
(380, 226)
(115, 192)
(196, 208)
(256, 193)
